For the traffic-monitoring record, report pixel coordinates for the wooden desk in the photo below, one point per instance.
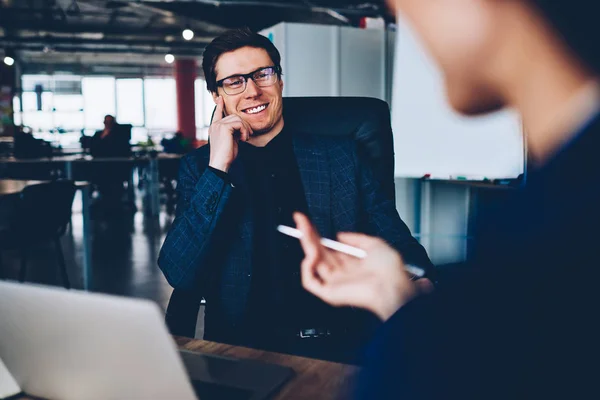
(14, 186)
(314, 379)
(10, 187)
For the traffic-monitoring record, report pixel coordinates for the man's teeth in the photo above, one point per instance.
(256, 109)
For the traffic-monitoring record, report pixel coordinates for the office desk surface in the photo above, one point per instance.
(314, 379)
(14, 186)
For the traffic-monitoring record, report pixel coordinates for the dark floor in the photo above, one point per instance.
(125, 248)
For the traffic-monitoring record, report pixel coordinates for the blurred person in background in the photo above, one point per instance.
(518, 319)
(110, 176)
(112, 141)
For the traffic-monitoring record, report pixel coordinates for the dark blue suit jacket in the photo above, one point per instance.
(520, 319)
(209, 247)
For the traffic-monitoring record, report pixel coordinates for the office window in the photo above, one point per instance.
(70, 121)
(161, 104)
(199, 89)
(98, 99)
(205, 104)
(38, 120)
(68, 111)
(30, 101)
(209, 107)
(17, 110)
(29, 82)
(130, 105)
(67, 102)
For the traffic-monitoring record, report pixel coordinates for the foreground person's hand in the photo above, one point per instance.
(377, 283)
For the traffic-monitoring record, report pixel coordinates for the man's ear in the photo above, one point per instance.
(214, 95)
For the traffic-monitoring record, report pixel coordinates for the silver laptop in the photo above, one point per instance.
(64, 344)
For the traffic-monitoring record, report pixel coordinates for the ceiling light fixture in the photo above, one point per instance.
(187, 34)
(9, 57)
(169, 58)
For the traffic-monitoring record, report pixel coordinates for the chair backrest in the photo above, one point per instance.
(43, 210)
(365, 119)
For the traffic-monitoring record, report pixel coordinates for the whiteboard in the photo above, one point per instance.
(431, 138)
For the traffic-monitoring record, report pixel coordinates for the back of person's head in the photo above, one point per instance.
(229, 41)
(576, 21)
(482, 46)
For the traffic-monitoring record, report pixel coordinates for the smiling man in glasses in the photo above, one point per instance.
(223, 244)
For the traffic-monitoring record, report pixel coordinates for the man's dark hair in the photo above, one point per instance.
(577, 23)
(229, 41)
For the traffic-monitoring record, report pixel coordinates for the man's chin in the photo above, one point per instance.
(260, 130)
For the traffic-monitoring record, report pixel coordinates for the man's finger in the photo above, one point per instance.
(236, 125)
(310, 280)
(238, 121)
(250, 131)
(218, 115)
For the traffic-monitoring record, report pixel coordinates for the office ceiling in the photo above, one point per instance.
(132, 36)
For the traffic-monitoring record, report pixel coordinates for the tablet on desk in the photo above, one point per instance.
(218, 378)
(65, 344)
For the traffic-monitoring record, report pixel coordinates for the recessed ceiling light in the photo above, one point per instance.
(187, 34)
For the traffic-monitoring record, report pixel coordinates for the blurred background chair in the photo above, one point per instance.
(41, 214)
(367, 120)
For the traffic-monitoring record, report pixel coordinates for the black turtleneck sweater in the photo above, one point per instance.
(277, 301)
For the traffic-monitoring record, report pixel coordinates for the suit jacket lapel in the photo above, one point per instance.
(313, 165)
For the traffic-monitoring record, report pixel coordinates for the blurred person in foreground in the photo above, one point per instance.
(518, 319)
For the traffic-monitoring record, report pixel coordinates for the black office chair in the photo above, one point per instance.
(365, 119)
(41, 214)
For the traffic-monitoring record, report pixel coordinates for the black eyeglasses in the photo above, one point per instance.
(263, 77)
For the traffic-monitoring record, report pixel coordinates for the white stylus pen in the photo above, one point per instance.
(344, 248)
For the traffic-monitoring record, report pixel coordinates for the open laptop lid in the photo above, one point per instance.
(61, 344)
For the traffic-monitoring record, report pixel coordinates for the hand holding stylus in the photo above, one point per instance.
(378, 282)
(416, 272)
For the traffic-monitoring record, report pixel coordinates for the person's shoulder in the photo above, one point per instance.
(201, 153)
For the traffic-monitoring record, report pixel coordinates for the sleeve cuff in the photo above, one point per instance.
(221, 174)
